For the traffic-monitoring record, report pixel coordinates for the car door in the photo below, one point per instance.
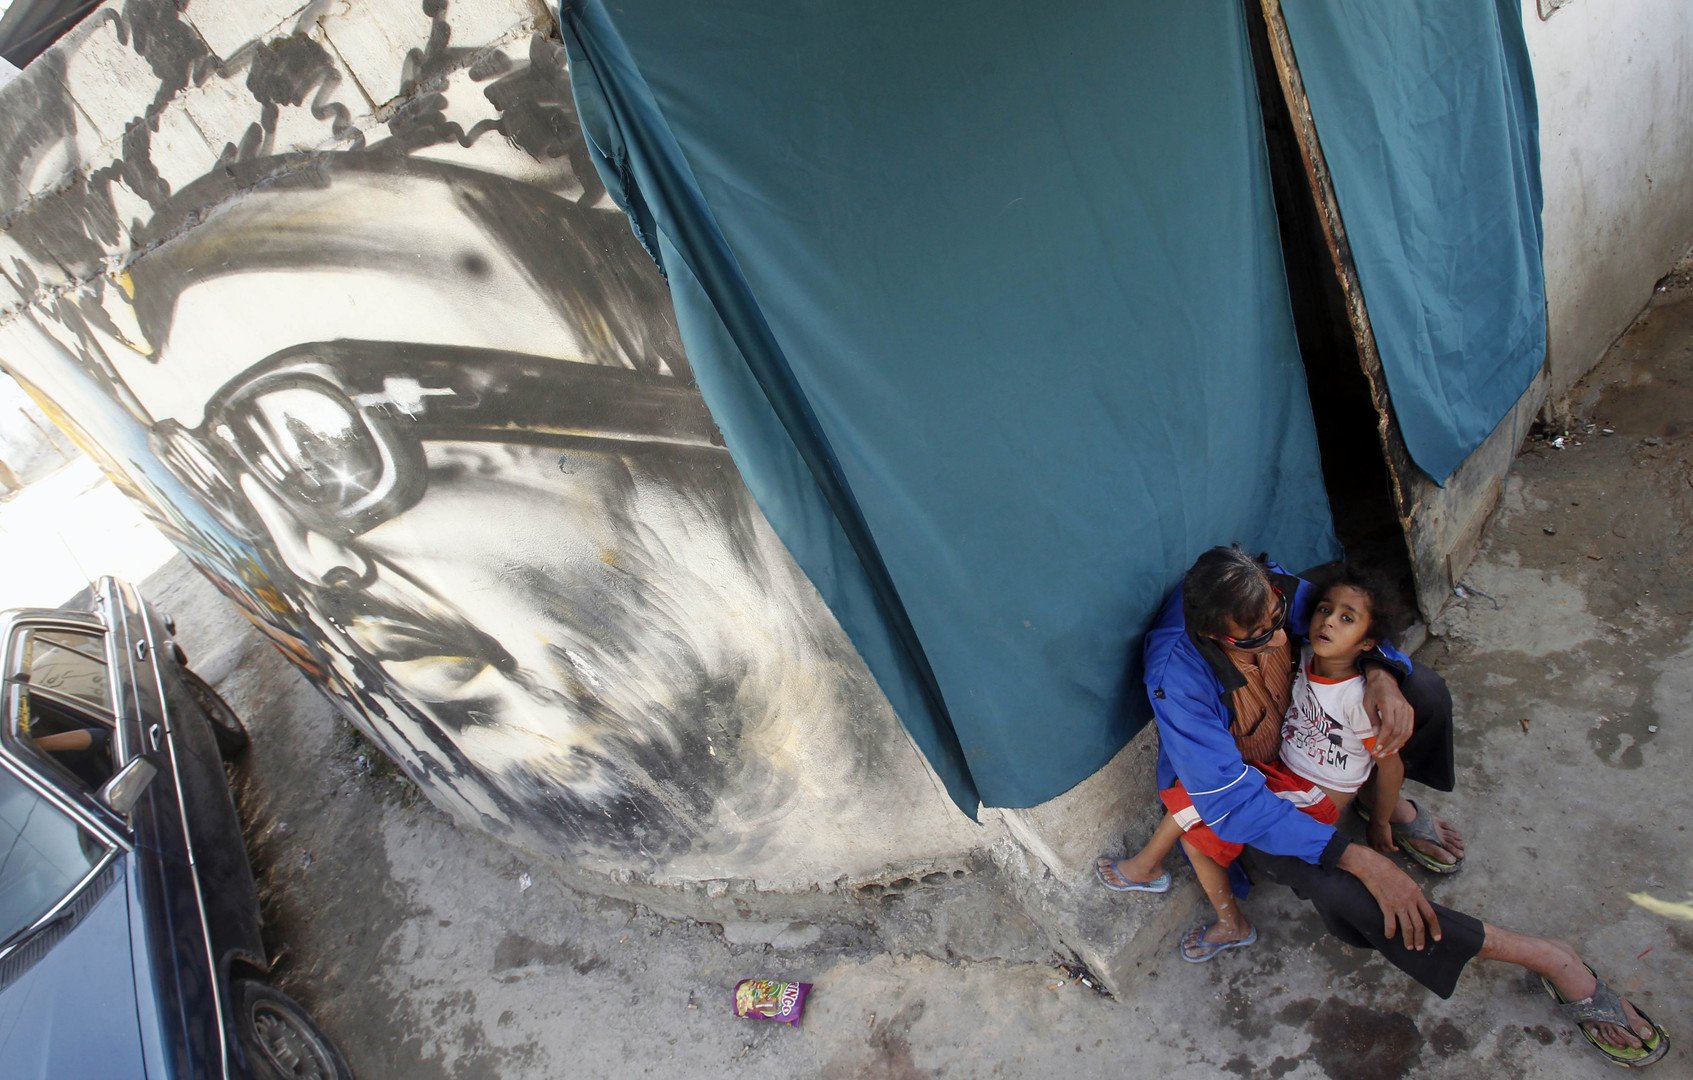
(67, 987)
(74, 674)
(184, 959)
(227, 890)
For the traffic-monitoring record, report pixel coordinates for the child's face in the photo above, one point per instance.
(1340, 625)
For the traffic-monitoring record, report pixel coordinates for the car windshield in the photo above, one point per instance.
(44, 853)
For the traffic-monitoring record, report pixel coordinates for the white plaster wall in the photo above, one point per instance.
(1615, 82)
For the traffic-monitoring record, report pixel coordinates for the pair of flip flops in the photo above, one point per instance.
(1603, 1006)
(1159, 884)
(1421, 828)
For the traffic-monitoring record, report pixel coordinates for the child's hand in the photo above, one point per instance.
(1381, 834)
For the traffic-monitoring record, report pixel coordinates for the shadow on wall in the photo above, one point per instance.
(418, 404)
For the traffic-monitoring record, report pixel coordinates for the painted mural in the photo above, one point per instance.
(392, 369)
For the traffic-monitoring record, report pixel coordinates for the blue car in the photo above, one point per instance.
(129, 919)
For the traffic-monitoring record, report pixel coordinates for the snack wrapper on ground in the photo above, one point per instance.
(771, 999)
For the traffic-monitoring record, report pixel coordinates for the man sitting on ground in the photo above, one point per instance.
(1230, 608)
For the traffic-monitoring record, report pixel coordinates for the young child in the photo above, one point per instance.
(1324, 759)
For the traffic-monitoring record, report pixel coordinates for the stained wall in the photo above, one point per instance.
(1615, 83)
(333, 290)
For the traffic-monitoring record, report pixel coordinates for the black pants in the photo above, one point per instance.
(1428, 753)
(1347, 909)
(1351, 914)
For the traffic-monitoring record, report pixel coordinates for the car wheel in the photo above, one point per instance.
(227, 728)
(280, 1040)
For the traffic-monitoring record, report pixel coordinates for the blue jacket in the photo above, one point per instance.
(1191, 683)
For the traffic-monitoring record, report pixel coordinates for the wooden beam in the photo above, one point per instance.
(1340, 251)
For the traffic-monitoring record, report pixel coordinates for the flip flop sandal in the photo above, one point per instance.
(1603, 1006)
(1159, 884)
(1196, 950)
(1422, 828)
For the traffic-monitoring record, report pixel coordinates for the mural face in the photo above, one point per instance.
(419, 404)
(464, 442)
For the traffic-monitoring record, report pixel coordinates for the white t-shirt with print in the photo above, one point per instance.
(1326, 735)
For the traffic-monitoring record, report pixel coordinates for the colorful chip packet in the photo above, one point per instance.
(771, 999)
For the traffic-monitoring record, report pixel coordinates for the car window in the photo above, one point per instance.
(44, 853)
(71, 663)
(60, 714)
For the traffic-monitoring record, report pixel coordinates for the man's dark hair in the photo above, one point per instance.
(1387, 614)
(1225, 584)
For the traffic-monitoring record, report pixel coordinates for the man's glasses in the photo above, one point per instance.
(334, 431)
(1258, 641)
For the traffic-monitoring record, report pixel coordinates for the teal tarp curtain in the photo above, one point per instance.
(1426, 114)
(988, 302)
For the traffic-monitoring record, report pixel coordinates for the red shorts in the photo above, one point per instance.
(1281, 780)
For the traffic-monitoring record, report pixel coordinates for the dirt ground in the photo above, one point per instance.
(432, 952)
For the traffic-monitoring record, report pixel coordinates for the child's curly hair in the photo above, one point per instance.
(1387, 615)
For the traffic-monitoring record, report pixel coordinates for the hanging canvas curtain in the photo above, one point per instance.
(1426, 115)
(988, 301)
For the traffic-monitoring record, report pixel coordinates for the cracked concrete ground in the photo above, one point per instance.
(432, 952)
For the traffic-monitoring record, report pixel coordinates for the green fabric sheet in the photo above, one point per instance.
(989, 304)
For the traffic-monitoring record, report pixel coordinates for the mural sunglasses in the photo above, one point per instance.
(335, 431)
(1258, 641)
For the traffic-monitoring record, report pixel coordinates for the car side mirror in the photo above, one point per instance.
(123, 791)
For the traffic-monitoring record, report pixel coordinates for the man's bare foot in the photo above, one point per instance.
(1127, 873)
(1575, 982)
(1451, 846)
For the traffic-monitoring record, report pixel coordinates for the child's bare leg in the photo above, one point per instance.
(1231, 924)
(1147, 863)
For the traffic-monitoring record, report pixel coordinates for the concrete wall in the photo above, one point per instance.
(1615, 81)
(335, 292)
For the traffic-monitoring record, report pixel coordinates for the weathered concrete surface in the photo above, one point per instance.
(424, 953)
(1050, 868)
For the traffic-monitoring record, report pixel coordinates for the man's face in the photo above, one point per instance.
(1259, 632)
(578, 619)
